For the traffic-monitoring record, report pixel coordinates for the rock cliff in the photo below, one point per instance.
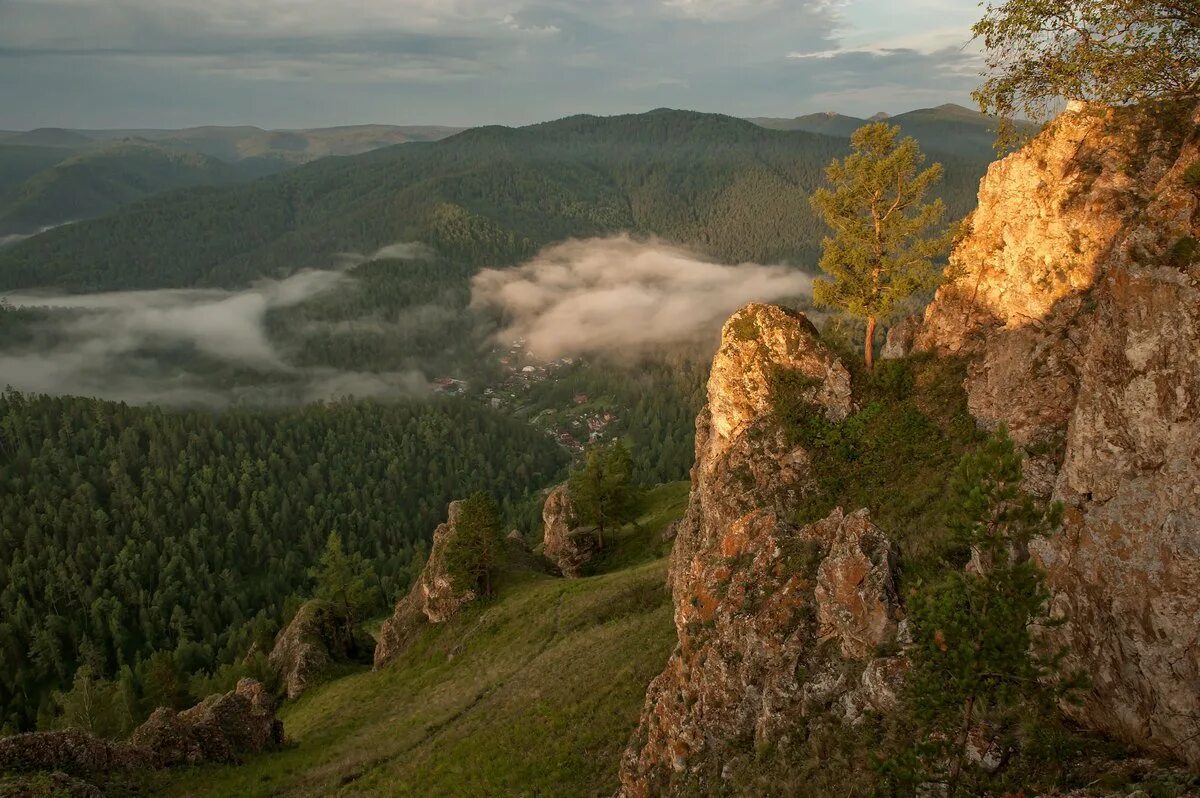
(566, 544)
(778, 624)
(435, 598)
(1076, 294)
(315, 640)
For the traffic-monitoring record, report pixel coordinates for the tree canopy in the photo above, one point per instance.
(884, 237)
(1040, 52)
(603, 490)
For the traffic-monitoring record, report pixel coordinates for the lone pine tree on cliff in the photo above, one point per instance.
(885, 235)
(1114, 52)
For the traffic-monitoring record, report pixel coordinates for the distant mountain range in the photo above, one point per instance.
(51, 176)
(488, 196)
(948, 128)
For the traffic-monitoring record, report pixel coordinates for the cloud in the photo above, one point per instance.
(165, 346)
(624, 297)
(401, 250)
(299, 63)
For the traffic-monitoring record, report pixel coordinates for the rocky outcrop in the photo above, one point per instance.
(566, 544)
(317, 638)
(71, 751)
(1076, 295)
(221, 728)
(434, 598)
(779, 625)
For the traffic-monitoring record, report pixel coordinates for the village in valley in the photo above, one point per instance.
(534, 389)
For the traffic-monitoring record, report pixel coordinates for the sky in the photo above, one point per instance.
(313, 63)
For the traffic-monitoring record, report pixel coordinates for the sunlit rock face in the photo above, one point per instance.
(1076, 294)
(779, 624)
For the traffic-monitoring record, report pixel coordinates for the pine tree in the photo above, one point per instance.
(345, 580)
(603, 491)
(979, 678)
(477, 548)
(883, 243)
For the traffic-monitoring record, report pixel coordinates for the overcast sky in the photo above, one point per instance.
(307, 63)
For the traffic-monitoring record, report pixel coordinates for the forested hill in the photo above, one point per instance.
(128, 531)
(45, 186)
(490, 195)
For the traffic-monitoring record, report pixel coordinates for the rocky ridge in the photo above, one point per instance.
(1076, 296)
(778, 624)
(221, 728)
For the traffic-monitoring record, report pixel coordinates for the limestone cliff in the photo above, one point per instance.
(1076, 294)
(435, 598)
(777, 624)
(566, 544)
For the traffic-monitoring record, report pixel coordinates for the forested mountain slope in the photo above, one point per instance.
(42, 187)
(489, 196)
(133, 530)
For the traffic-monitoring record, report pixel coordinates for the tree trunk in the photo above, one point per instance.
(869, 344)
(600, 527)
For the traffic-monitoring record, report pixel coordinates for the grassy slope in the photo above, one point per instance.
(535, 692)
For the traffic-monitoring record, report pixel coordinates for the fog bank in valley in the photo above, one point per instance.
(624, 297)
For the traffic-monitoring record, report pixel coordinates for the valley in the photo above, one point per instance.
(641, 454)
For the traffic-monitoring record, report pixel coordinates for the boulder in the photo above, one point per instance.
(900, 338)
(1076, 297)
(566, 544)
(221, 728)
(316, 639)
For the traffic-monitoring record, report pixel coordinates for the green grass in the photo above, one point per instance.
(893, 455)
(642, 542)
(534, 692)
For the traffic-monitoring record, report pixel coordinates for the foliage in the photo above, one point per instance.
(882, 249)
(477, 547)
(893, 455)
(500, 700)
(94, 705)
(656, 402)
(980, 688)
(347, 581)
(603, 491)
(1109, 51)
(130, 530)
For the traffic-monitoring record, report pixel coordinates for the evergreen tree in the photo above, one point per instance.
(477, 548)
(347, 581)
(884, 242)
(979, 678)
(603, 491)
